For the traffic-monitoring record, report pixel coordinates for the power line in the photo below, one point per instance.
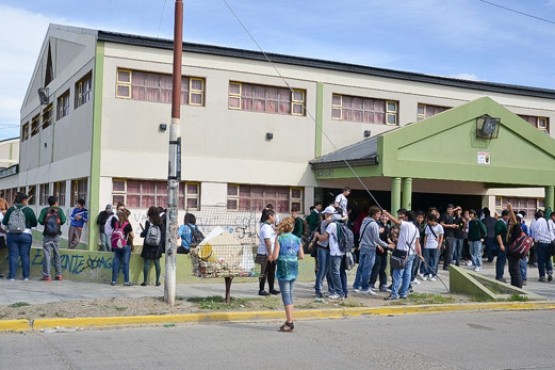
(161, 16)
(518, 12)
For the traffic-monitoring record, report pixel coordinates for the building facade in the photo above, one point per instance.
(98, 129)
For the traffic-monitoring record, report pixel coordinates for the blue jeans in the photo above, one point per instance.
(476, 253)
(545, 263)
(323, 258)
(365, 264)
(286, 287)
(19, 246)
(401, 279)
(500, 263)
(121, 256)
(431, 259)
(335, 267)
(523, 268)
(457, 250)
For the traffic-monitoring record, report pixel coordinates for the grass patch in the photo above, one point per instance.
(481, 299)
(518, 298)
(120, 308)
(19, 304)
(348, 303)
(218, 302)
(424, 299)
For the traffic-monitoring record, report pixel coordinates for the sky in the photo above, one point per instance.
(467, 39)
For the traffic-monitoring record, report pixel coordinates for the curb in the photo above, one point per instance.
(334, 313)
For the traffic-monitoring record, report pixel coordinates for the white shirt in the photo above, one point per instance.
(407, 233)
(2, 227)
(266, 232)
(542, 233)
(431, 239)
(551, 226)
(332, 237)
(341, 202)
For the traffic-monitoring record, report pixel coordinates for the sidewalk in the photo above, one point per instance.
(39, 292)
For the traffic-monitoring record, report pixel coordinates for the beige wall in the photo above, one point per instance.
(9, 152)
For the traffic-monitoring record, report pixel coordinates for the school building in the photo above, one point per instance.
(95, 118)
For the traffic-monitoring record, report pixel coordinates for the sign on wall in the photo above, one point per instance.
(484, 158)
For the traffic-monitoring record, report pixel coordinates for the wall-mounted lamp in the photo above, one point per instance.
(367, 133)
(163, 127)
(43, 95)
(46, 145)
(269, 136)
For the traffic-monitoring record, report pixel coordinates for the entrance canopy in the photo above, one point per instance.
(455, 145)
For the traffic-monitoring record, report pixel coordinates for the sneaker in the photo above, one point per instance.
(385, 289)
(469, 263)
(275, 292)
(433, 278)
(416, 281)
(26, 279)
(477, 269)
(391, 298)
(422, 276)
(46, 278)
(59, 277)
(11, 279)
(404, 297)
(127, 284)
(334, 297)
(158, 283)
(524, 283)
(503, 280)
(113, 283)
(356, 290)
(368, 291)
(542, 279)
(143, 284)
(263, 293)
(549, 277)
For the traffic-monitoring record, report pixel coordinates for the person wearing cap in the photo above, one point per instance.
(101, 222)
(323, 240)
(20, 237)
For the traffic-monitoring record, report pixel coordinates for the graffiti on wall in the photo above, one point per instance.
(78, 263)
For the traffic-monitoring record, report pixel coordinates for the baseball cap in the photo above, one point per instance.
(330, 210)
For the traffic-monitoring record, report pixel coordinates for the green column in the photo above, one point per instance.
(395, 194)
(407, 193)
(550, 197)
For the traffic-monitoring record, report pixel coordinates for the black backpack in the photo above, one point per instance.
(52, 223)
(196, 236)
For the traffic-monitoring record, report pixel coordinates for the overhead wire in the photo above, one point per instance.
(161, 17)
(310, 115)
(517, 11)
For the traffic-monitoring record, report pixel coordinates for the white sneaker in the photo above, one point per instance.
(26, 279)
(422, 276)
(477, 269)
(433, 278)
(368, 291)
(416, 281)
(469, 263)
(356, 290)
(334, 296)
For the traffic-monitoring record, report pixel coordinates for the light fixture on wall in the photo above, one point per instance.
(163, 127)
(43, 95)
(487, 127)
(269, 136)
(367, 133)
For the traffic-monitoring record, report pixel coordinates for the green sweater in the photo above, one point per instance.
(30, 218)
(44, 211)
(476, 230)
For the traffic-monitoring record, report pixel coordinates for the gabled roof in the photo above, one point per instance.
(362, 153)
(446, 147)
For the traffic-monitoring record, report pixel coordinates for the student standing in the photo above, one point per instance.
(52, 218)
(433, 238)
(477, 232)
(101, 222)
(267, 237)
(19, 220)
(78, 217)
(122, 255)
(154, 237)
(287, 252)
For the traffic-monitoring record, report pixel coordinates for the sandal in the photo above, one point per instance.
(287, 327)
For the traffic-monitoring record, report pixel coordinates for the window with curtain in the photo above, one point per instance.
(427, 111)
(255, 197)
(365, 110)
(266, 99)
(541, 123)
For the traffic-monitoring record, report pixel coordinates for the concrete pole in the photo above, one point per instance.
(550, 197)
(407, 193)
(395, 195)
(174, 167)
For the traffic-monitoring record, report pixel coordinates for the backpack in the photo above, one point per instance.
(17, 222)
(196, 236)
(52, 223)
(153, 236)
(521, 245)
(345, 237)
(108, 229)
(118, 238)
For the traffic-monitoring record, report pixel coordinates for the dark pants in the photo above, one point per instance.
(500, 263)
(448, 255)
(379, 270)
(415, 267)
(269, 273)
(514, 271)
(545, 260)
(491, 248)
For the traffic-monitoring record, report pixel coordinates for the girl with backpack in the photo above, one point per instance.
(153, 244)
(19, 220)
(287, 251)
(189, 234)
(122, 240)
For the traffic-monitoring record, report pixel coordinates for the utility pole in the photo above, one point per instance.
(174, 163)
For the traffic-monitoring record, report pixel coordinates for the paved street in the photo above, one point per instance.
(483, 340)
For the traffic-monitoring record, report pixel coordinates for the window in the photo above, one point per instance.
(25, 132)
(79, 190)
(366, 110)
(44, 193)
(541, 123)
(145, 193)
(35, 125)
(60, 192)
(32, 195)
(530, 205)
(427, 110)
(157, 87)
(63, 105)
(255, 197)
(83, 89)
(47, 116)
(267, 99)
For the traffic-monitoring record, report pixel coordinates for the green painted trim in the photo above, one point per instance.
(319, 119)
(550, 197)
(94, 179)
(395, 194)
(406, 186)
(341, 172)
